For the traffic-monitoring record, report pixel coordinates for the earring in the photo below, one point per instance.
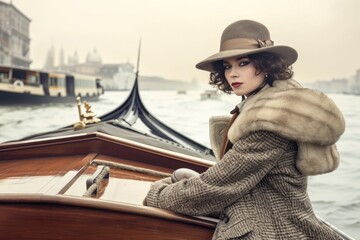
(266, 75)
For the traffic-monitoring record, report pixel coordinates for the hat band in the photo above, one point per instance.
(244, 43)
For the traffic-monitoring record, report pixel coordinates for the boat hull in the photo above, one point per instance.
(57, 221)
(26, 86)
(10, 98)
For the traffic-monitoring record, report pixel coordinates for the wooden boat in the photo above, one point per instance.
(21, 85)
(90, 183)
(46, 189)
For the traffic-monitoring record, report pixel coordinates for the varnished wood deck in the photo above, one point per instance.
(42, 183)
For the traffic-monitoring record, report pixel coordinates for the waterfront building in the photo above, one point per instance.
(354, 84)
(115, 76)
(14, 36)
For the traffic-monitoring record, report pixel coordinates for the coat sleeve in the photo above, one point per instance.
(242, 167)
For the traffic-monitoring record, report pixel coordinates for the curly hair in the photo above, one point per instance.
(271, 64)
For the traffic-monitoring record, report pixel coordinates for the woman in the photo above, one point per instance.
(279, 134)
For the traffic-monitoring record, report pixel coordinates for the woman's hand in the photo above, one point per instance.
(183, 173)
(165, 181)
(178, 175)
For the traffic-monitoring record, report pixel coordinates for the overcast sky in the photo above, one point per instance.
(176, 34)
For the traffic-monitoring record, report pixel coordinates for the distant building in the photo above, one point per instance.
(344, 85)
(115, 76)
(14, 36)
(333, 86)
(50, 59)
(354, 83)
(61, 57)
(73, 61)
(92, 64)
(119, 76)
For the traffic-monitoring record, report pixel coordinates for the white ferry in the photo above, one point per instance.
(21, 85)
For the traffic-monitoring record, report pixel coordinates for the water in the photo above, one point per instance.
(335, 196)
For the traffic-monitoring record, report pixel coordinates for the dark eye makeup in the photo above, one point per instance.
(242, 62)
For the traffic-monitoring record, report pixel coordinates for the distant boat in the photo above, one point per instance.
(22, 85)
(209, 94)
(181, 92)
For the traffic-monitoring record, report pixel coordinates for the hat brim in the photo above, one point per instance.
(288, 54)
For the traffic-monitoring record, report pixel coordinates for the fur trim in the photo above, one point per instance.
(314, 159)
(306, 116)
(217, 132)
(295, 113)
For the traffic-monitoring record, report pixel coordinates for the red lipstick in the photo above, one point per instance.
(236, 84)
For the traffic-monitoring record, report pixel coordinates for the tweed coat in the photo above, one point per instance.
(256, 188)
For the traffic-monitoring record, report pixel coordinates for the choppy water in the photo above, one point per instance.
(335, 196)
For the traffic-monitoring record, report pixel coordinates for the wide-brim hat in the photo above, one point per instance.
(243, 38)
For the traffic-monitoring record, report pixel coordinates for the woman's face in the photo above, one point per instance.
(240, 74)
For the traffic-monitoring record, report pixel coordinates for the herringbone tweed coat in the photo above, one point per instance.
(256, 187)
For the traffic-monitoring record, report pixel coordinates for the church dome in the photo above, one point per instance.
(93, 57)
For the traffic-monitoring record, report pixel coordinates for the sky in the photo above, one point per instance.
(177, 34)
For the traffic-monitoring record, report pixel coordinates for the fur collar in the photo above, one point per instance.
(306, 116)
(291, 111)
